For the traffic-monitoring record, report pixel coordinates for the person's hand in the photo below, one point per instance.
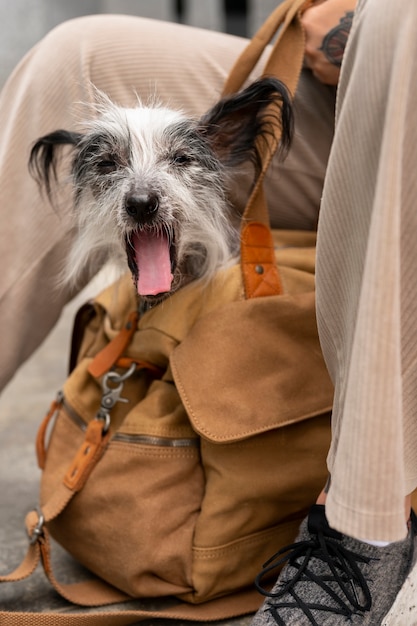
(327, 25)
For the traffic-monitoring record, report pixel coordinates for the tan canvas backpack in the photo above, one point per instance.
(187, 444)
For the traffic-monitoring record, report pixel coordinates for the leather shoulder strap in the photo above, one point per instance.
(259, 271)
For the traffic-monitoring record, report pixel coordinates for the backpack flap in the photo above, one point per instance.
(252, 366)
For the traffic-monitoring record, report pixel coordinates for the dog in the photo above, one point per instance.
(149, 183)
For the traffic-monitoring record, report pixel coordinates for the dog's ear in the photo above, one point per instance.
(237, 123)
(43, 155)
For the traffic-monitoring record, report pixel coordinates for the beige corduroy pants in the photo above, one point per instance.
(367, 274)
(121, 55)
(366, 301)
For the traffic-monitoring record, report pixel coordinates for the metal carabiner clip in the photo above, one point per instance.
(112, 394)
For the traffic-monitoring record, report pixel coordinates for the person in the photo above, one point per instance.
(355, 549)
(123, 56)
(365, 303)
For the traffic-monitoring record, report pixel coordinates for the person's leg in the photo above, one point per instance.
(366, 299)
(121, 55)
(339, 573)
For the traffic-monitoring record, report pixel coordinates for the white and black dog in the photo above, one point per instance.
(150, 183)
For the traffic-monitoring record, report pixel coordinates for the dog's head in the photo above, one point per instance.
(150, 183)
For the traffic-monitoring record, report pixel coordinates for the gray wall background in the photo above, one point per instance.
(24, 22)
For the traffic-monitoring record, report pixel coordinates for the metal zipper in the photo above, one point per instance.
(147, 440)
(78, 421)
(150, 440)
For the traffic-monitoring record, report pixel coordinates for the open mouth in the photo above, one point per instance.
(151, 259)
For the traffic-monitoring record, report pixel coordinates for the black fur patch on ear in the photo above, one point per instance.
(43, 157)
(237, 123)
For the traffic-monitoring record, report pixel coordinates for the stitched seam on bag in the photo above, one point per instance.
(254, 431)
(142, 450)
(274, 426)
(246, 433)
(210, 553)
(266, 283)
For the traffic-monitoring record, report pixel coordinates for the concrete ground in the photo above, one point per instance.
(22, 406)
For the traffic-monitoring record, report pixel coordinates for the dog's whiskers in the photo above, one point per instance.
(169, 231)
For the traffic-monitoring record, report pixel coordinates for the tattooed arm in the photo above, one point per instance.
(327, 25)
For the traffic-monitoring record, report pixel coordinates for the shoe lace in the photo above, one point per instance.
(344, 570)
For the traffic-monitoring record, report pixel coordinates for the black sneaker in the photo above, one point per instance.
(331, 579)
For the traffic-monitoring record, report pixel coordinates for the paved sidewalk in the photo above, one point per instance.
(22, 406)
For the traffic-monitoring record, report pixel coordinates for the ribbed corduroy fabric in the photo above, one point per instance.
(184, 67)
(366, 274)
(366, 255)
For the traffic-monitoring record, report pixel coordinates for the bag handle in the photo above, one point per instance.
(261, 277)
(286, 58)
(259, 271)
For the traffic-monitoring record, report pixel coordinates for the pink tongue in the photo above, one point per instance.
(154, 263)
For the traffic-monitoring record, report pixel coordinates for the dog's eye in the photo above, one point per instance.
(180, 158)
(106, 166)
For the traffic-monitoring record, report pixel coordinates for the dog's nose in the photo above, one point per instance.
(142, 207)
